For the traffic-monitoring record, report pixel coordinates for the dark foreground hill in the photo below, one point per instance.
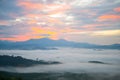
(58, 76)
(18, 61)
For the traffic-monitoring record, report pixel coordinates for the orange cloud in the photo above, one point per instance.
(53, 33)
(40, 33)
(17, 38)
(10, 39)
(108, 17)
(52, 8)
(38, 30)
(117, 9)
(23, 37)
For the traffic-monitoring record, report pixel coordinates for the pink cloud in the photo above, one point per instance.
(117, 9)
(109, 17)
(4, 22)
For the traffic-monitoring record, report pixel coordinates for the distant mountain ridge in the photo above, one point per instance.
(47, 44)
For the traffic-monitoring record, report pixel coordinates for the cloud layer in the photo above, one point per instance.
(75, 20)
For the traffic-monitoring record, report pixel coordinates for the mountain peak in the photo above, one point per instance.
(39, 39)
(46, 42)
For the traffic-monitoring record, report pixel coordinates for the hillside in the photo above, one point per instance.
(18, 61)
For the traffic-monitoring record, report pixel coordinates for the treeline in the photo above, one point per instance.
(60, 76)
(18, 61)
(8, 76)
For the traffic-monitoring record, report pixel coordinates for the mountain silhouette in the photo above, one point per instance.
(46, 44)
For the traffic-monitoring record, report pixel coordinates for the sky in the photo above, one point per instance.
(92, 21)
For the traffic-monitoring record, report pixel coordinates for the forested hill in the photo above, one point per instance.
(18, 61)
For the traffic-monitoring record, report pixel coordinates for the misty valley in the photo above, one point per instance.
(61, 64)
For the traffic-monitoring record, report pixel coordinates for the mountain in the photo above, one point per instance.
(47, 44)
